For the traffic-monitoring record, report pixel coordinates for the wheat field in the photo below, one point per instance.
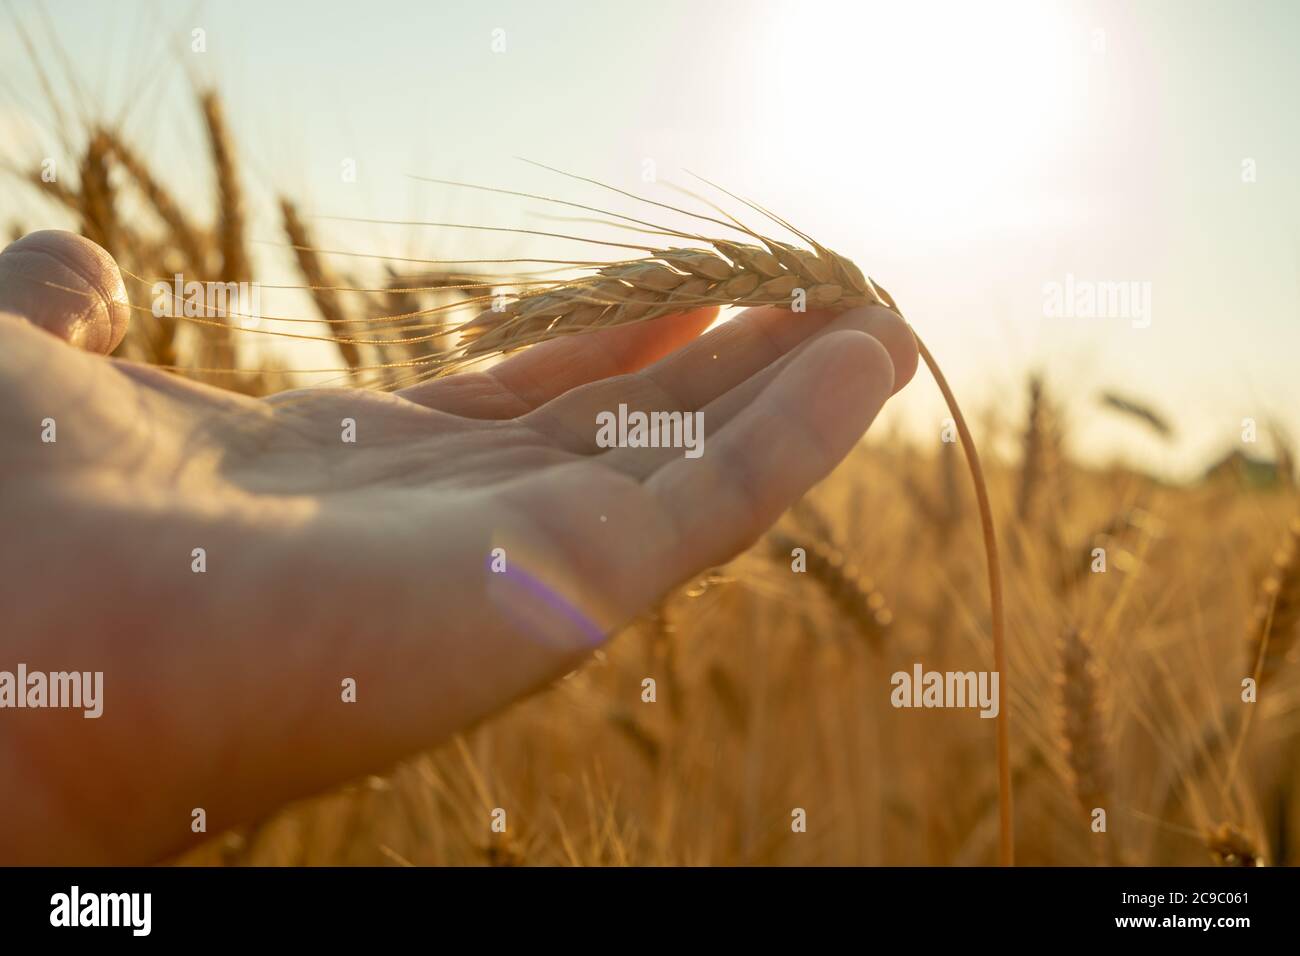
(772, 686)
(773, 695)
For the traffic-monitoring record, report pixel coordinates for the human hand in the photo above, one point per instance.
(369, 560)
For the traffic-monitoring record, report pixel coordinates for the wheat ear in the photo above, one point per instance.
(98, 199)
(1275, 621)
(320, 282)
(668, 281)
(235, 266)
(856, 595)
(1033, 440)
(1083, 724)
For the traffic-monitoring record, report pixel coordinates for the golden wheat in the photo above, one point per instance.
(1275, 619)
(1084, 740)
(189, 239)
(235, 265)
(98, 197)
(1032, 440)
(674, 280)
(319, 282)
(853, 593)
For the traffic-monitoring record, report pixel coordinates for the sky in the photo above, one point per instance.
(987, 162)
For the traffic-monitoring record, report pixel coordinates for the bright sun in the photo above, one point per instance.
(959, 103)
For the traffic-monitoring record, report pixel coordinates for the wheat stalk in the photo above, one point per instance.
(235, 266)
(1271, 633)
(98, 205)
(1275, 621)
(761, 272)
(1284, 453)
(319, 282)
(1006, 822)
(1031, 467)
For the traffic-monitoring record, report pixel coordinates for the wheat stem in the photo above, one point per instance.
(1006, 832)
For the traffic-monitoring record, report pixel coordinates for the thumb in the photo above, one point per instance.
(67, 285)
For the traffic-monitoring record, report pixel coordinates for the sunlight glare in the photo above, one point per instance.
(945, 138)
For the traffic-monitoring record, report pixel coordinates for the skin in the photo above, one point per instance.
(329, 560)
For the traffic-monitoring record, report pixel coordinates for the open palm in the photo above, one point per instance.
(445, 549)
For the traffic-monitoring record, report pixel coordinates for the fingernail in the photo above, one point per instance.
(68, 286)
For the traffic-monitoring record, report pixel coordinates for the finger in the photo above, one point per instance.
(757, 342)
(537, 375)
(758, 337)
(801, 425)
(67, 285)
(641, 463)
